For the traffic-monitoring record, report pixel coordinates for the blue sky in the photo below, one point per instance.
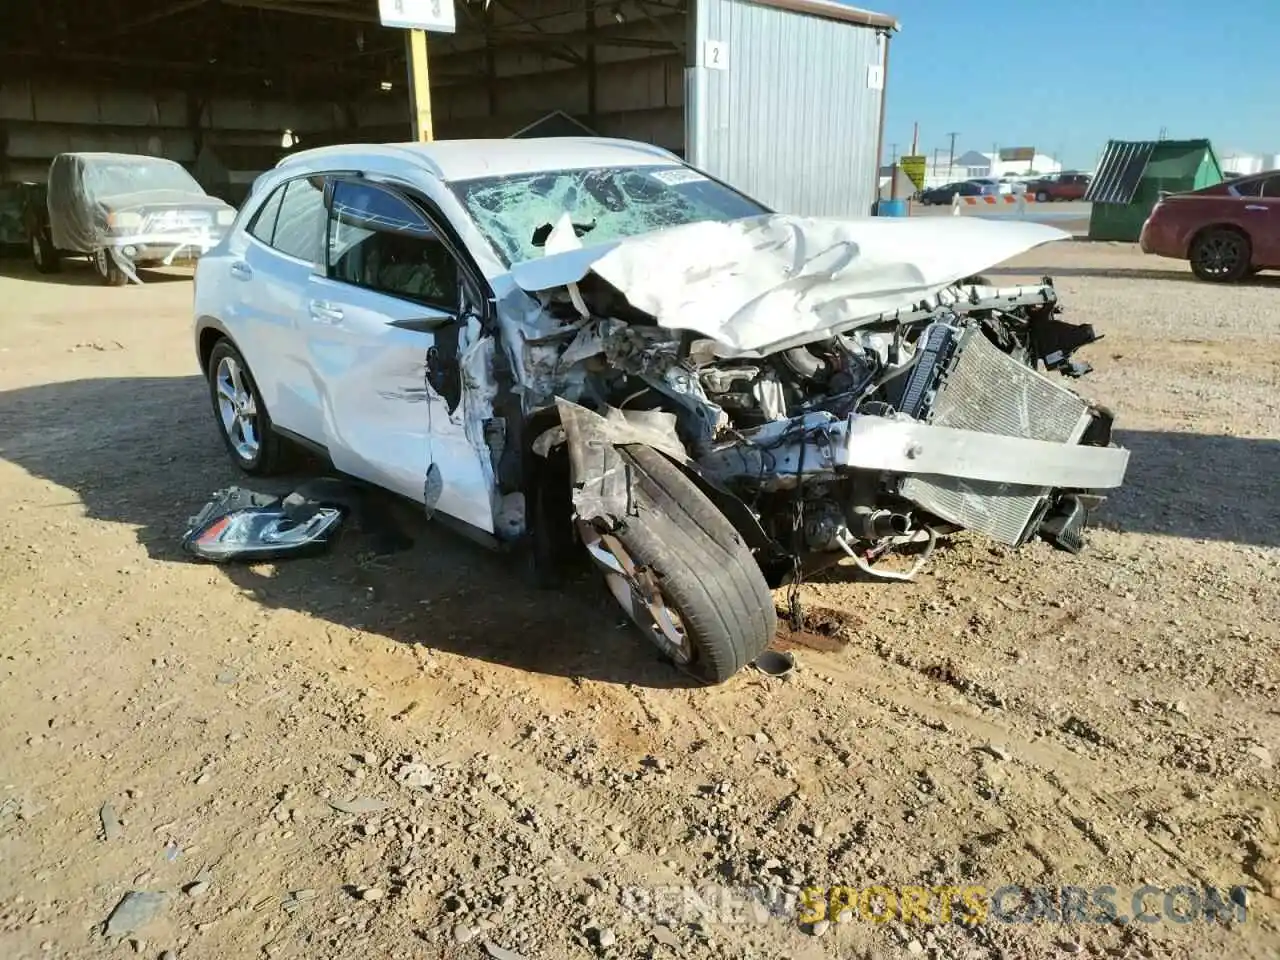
(1066, 76)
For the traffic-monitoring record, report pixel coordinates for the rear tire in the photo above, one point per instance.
(269, 453)
(702, 568)
(44, 257)
(1220, 255)
(1042, 197)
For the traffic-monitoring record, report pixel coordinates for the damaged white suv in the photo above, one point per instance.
(584, 343)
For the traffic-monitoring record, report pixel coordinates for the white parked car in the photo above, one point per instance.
(991, 187)
(584, 344)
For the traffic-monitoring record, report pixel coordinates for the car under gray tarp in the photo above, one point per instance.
(132, 209)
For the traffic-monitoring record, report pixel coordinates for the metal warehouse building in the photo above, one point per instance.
(783, 98)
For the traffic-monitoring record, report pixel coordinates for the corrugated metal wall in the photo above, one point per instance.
(793, 118)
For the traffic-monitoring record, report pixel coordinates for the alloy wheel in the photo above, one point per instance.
(637, 591)
(237, 409)
(1219, 255)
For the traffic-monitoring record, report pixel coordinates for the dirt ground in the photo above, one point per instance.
(518, 772)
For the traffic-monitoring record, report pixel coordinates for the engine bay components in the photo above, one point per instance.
(881, 437)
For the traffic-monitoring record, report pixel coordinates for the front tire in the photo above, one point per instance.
(109, 271)
(707, 604)
(1042, 197)
(242, 417)
(1220, 255)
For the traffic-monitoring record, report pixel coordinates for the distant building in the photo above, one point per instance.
(939, 170)
(973, 163)
(1239, 164)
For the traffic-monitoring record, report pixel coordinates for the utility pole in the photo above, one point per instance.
(915, 152)
(893, 171)
(951, 159)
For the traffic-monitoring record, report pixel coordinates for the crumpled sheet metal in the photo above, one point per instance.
(762, 284)
(602, 486)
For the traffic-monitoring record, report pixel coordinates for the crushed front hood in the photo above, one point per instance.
(765, 283)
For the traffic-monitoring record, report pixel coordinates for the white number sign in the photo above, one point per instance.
(435, 15)
(715, 55)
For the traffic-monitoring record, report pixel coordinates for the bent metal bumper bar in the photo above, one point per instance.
(908, 446)
(824, 445)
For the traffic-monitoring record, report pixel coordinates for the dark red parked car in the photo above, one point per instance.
(1060, 186)
(1227, 231)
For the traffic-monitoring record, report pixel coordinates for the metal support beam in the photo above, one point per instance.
(419, 85)
(490, 63)
(538, 35)
(195, 117)
(885, 38)
(128, 26)
(592, 97)
(306, 9)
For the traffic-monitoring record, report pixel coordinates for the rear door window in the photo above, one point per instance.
(299, 228)
(1271, 187)
(263, 225)
(1248, 188)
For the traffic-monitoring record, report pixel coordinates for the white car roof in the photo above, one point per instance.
(470, 159)
(118, 157)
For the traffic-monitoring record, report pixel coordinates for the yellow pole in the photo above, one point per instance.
(420, 86)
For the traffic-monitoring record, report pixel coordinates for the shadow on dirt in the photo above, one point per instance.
(1182, 276)
(144, 452)
(1203, 487)
(81, 273)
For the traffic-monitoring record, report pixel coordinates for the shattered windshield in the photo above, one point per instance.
(515, 213)
(108, 178)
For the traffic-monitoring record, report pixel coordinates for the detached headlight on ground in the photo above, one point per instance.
(242, 525)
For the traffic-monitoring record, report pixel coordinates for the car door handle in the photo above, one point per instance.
(241, 270)
(322, 312)
(1256, 206)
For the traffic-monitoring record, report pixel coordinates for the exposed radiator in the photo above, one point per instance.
(989, 391)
